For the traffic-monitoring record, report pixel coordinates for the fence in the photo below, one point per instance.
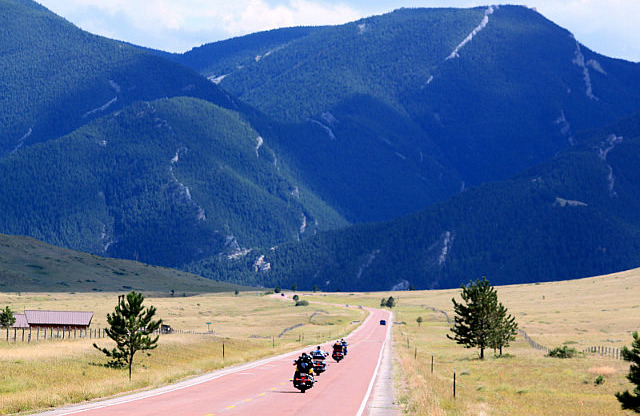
(42, 334)
(605, 351)
(611, 352)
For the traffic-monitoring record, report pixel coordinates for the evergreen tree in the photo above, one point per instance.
(6, 318)
(473, 321)
(130, 326)
(503, 328)
(391, 302)
(383, 302)
(631, 401)
(419, 320)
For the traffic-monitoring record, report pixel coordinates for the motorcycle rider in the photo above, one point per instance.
(344, 346)
(337, 347)
(303, 365)
(318, 354)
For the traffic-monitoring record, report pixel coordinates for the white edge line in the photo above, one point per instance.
(363, 405)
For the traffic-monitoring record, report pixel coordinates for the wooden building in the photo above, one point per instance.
(53, 319)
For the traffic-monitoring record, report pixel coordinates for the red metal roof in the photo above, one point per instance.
(36, 317)
(21, 321)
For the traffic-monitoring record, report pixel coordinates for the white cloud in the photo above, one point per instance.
(609, 27)
(174, 24)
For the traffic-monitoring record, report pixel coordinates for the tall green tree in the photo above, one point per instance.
(473, 321)
(628, 400)
(503, 328)
(6, 317)
(130, 326)
(391, 302)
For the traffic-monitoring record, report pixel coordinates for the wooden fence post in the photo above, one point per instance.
(454, 383)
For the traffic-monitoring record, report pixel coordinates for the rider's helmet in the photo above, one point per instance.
(318, 347)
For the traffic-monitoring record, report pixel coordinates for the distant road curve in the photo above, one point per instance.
(263, 387)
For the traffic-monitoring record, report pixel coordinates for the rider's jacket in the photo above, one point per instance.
(304, 365)
(317, 354)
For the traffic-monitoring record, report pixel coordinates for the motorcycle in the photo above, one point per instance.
(337, 355)
(303, 381)
(319, 366)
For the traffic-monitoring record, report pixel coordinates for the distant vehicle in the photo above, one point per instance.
(383, 322)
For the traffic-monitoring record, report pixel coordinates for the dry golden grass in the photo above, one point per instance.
(52, 373)
(602, 310)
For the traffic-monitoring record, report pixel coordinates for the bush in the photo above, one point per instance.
(563, 352)
(302, 303)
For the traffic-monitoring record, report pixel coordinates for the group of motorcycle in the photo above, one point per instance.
(315, 363)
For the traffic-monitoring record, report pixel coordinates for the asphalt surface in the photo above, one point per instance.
(358, 385)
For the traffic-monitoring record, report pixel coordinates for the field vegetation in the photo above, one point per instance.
(37, 376)
(598, 311)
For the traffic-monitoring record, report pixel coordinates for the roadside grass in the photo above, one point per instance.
(603, 310)
(53, 373)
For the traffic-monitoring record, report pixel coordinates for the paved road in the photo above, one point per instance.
(263, 387)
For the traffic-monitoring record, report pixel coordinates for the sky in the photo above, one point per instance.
(609, 27)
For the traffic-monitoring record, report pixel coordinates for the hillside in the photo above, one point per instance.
(451, 137)
(165, 182)
(435, 99)
(574, 216)
(55, 77)
(28, 265)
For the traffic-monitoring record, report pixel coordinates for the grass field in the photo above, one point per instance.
(580, 313)
(40, 375)
(602, 311)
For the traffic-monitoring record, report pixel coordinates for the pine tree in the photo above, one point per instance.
(6, 317)
(503, 328)
(391, 302)
(473, 321)
(130, 326)
(631, 401)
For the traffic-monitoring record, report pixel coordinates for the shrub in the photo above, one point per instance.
(563, 352)
(302, 303)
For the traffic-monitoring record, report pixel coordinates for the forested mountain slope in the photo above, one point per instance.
(55, 77)
(574, 216)
(165, 182)
(449, 97)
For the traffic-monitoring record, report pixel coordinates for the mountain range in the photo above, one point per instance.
(420, 148)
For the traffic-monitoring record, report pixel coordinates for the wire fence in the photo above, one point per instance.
(605, 351)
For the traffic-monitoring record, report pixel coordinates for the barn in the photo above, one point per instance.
(56, 319)
(21, 321)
